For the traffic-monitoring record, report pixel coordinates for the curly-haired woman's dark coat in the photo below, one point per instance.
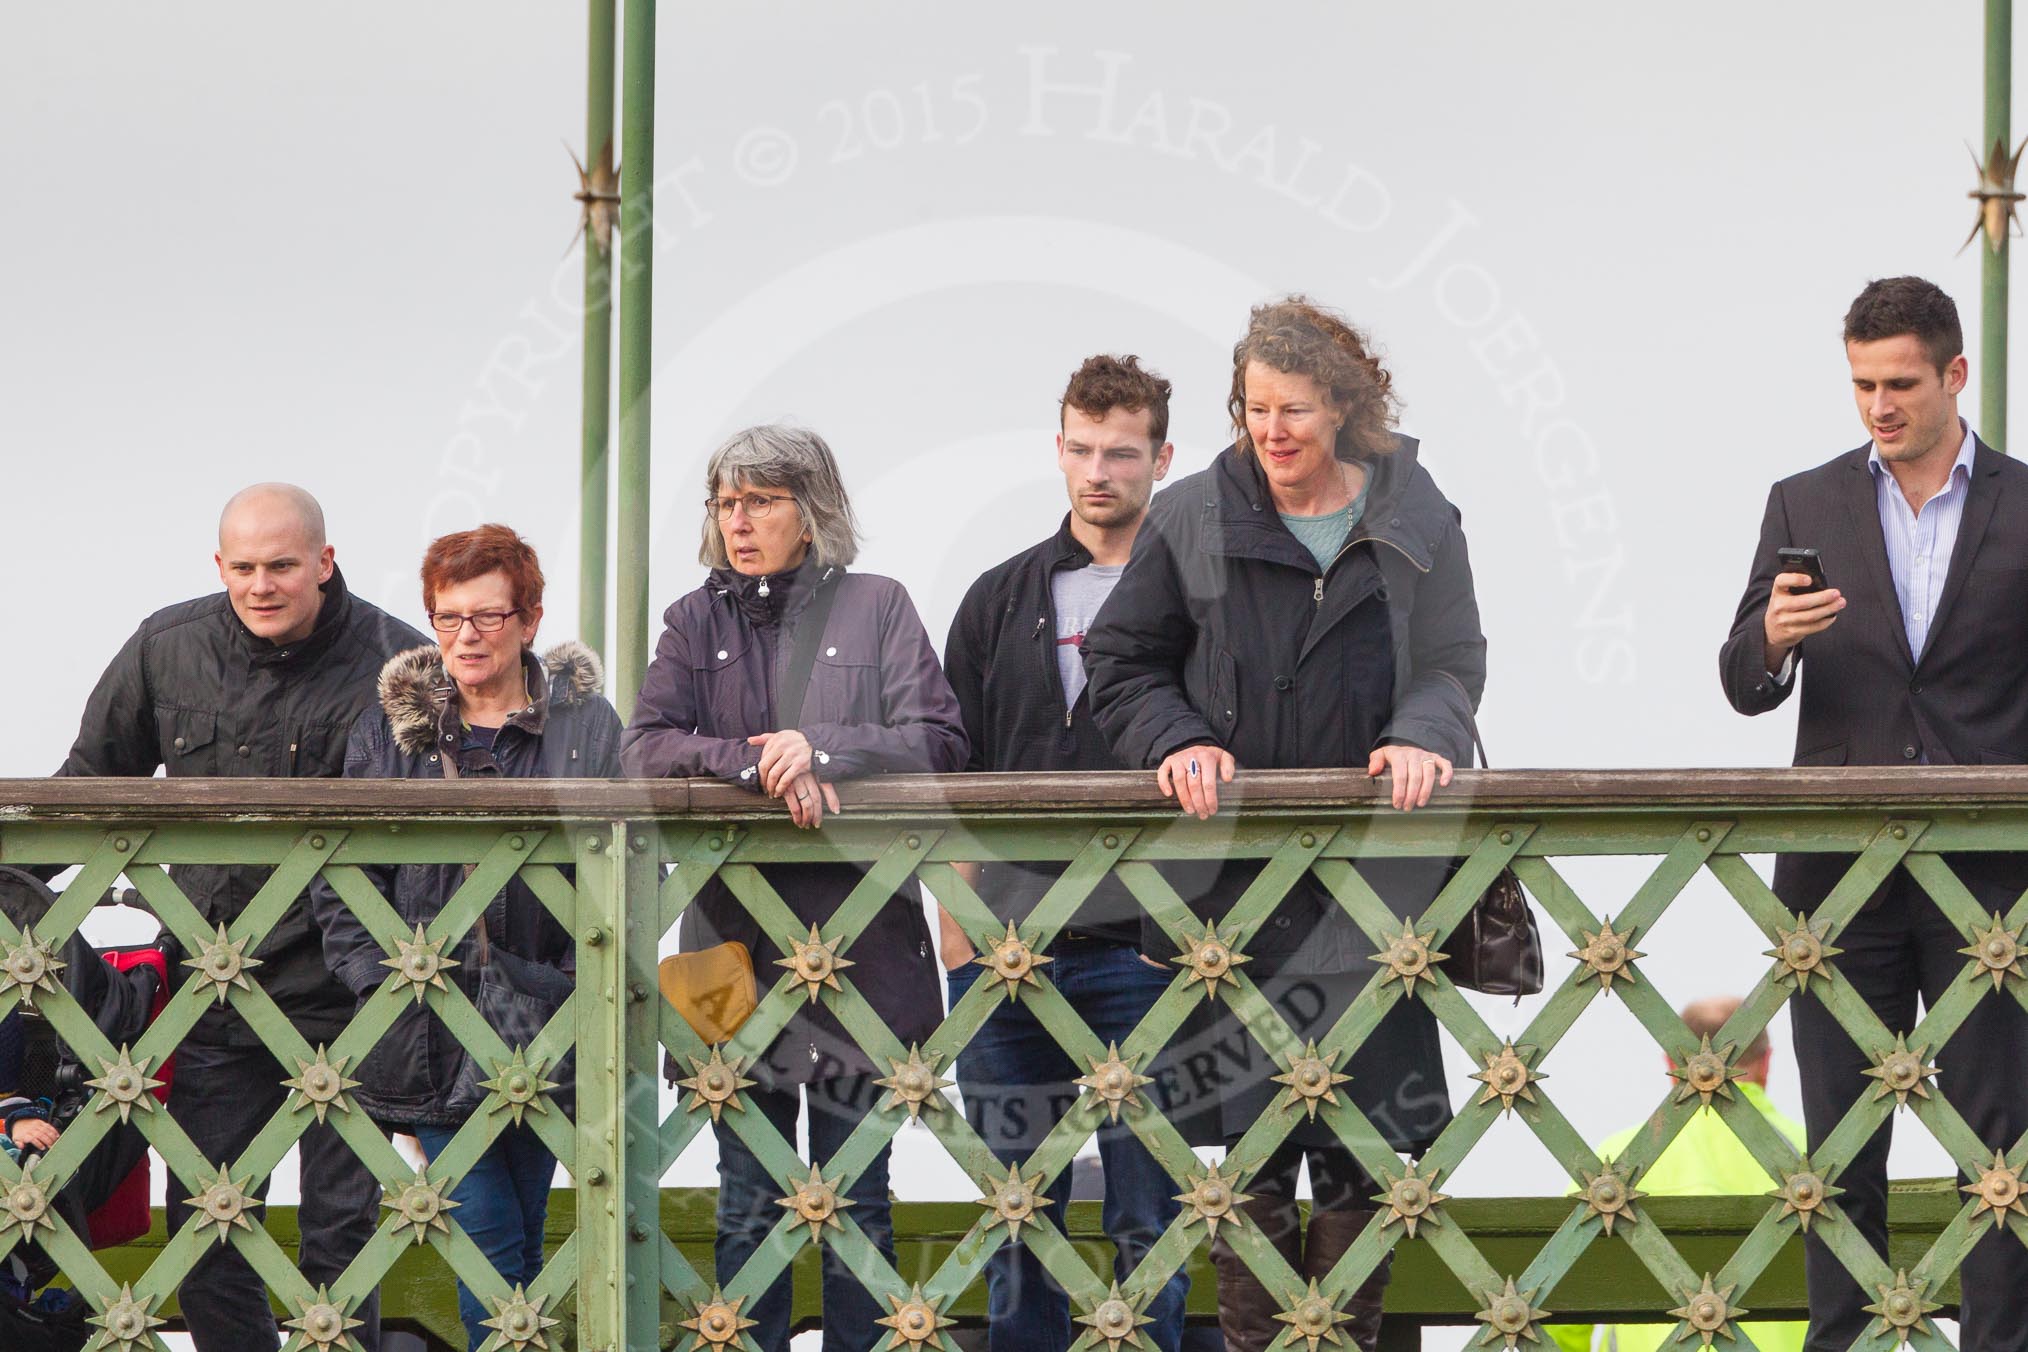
(1224, 631)
(568, 731)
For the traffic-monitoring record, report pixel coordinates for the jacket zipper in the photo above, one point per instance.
(1418, 565)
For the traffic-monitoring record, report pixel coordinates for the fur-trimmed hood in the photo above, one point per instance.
(415, 691)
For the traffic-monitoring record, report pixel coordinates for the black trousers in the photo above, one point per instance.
(222, 1098)
(1902, 950)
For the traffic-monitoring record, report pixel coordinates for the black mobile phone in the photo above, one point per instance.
(1803, 561)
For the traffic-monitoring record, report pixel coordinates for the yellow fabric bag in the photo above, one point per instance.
(713, 988)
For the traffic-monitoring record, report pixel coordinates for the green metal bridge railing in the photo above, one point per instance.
(641, 852)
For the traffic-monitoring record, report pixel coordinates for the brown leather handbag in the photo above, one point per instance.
(1496, 949)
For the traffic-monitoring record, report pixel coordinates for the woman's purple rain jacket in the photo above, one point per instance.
(877, 703)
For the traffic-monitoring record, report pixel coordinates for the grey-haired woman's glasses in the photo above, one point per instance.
(486, 621)
(757, 505)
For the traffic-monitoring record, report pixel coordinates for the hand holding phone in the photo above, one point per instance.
(1800, 605)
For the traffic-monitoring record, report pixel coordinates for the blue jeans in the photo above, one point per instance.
(1017, 1082)
(747, 1212)
(502, 1201)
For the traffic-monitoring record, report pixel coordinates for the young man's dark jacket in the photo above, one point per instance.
(195, 693)
(1224, 631)
(568, 731)
(1001, 660)
(876, 703)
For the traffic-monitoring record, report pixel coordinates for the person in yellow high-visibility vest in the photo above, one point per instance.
(1704, 1159)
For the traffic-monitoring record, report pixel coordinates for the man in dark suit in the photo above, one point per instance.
(1911, 655)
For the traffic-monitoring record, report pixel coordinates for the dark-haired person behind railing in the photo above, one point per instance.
(479, 704)
(783, 674)
(1306, 602)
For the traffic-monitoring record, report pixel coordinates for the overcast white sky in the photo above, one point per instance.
(1606, 249)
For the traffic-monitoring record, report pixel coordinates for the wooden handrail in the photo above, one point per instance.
(1069, 792)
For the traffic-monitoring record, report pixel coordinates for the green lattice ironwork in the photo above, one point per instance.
(642, 853)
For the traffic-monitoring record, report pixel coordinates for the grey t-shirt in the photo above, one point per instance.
(1077, 594)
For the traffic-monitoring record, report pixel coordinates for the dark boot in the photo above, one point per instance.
(1331, 1234)
(1246, 1309)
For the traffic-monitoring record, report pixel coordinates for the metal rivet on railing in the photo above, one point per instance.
(715, 1084)
(1606, 955)
(718, 1321)
(1998, 1190)
(1900, 832)
(637, 993)
(1312, 1319)
(316, 842)
(1312, 1080)
(1508, 1076)
(915, 1321)
(321, 1322)
(1901, 1072)
(1214, 1198)
(26, 1204)
(814, 962)
(31, 965)
(120, 843)
(715, 843)
(1210, 958)
(1115, 1319)
(1309, 840)
(1113, 1081)
(1706, 1072)
(1996, 950)
(419, 1205)
(913, 842)
(127, 1320)
(1901, 1307)
(1703, 834)
(594, 937)
(1506, 837)
(520, 1084)
(1707, 1311)
(125, 1084)
(1408, 957)
(1013, 1200)
(1510, 1314)
(595, 1177)
(1804, 951)
(516, 843)
(1805, 1194)
(914, 1083)
(1013, 962)
(1110, 842)
(519, 1320)
(420, 961)
(816, 1202)
(1411, 1200)
(639, 844)
(1610, 1195)
(595, 844)
(320, 1085)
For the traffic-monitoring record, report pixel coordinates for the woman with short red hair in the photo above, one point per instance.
(480, 703)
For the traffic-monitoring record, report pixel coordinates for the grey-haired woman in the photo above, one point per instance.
(871, 697)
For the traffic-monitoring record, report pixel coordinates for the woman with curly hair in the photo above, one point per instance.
(1306, 602)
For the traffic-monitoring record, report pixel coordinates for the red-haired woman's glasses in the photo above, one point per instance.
(486, 621)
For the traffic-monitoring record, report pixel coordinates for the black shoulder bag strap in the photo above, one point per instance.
(1471, 720)
(803, 657)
